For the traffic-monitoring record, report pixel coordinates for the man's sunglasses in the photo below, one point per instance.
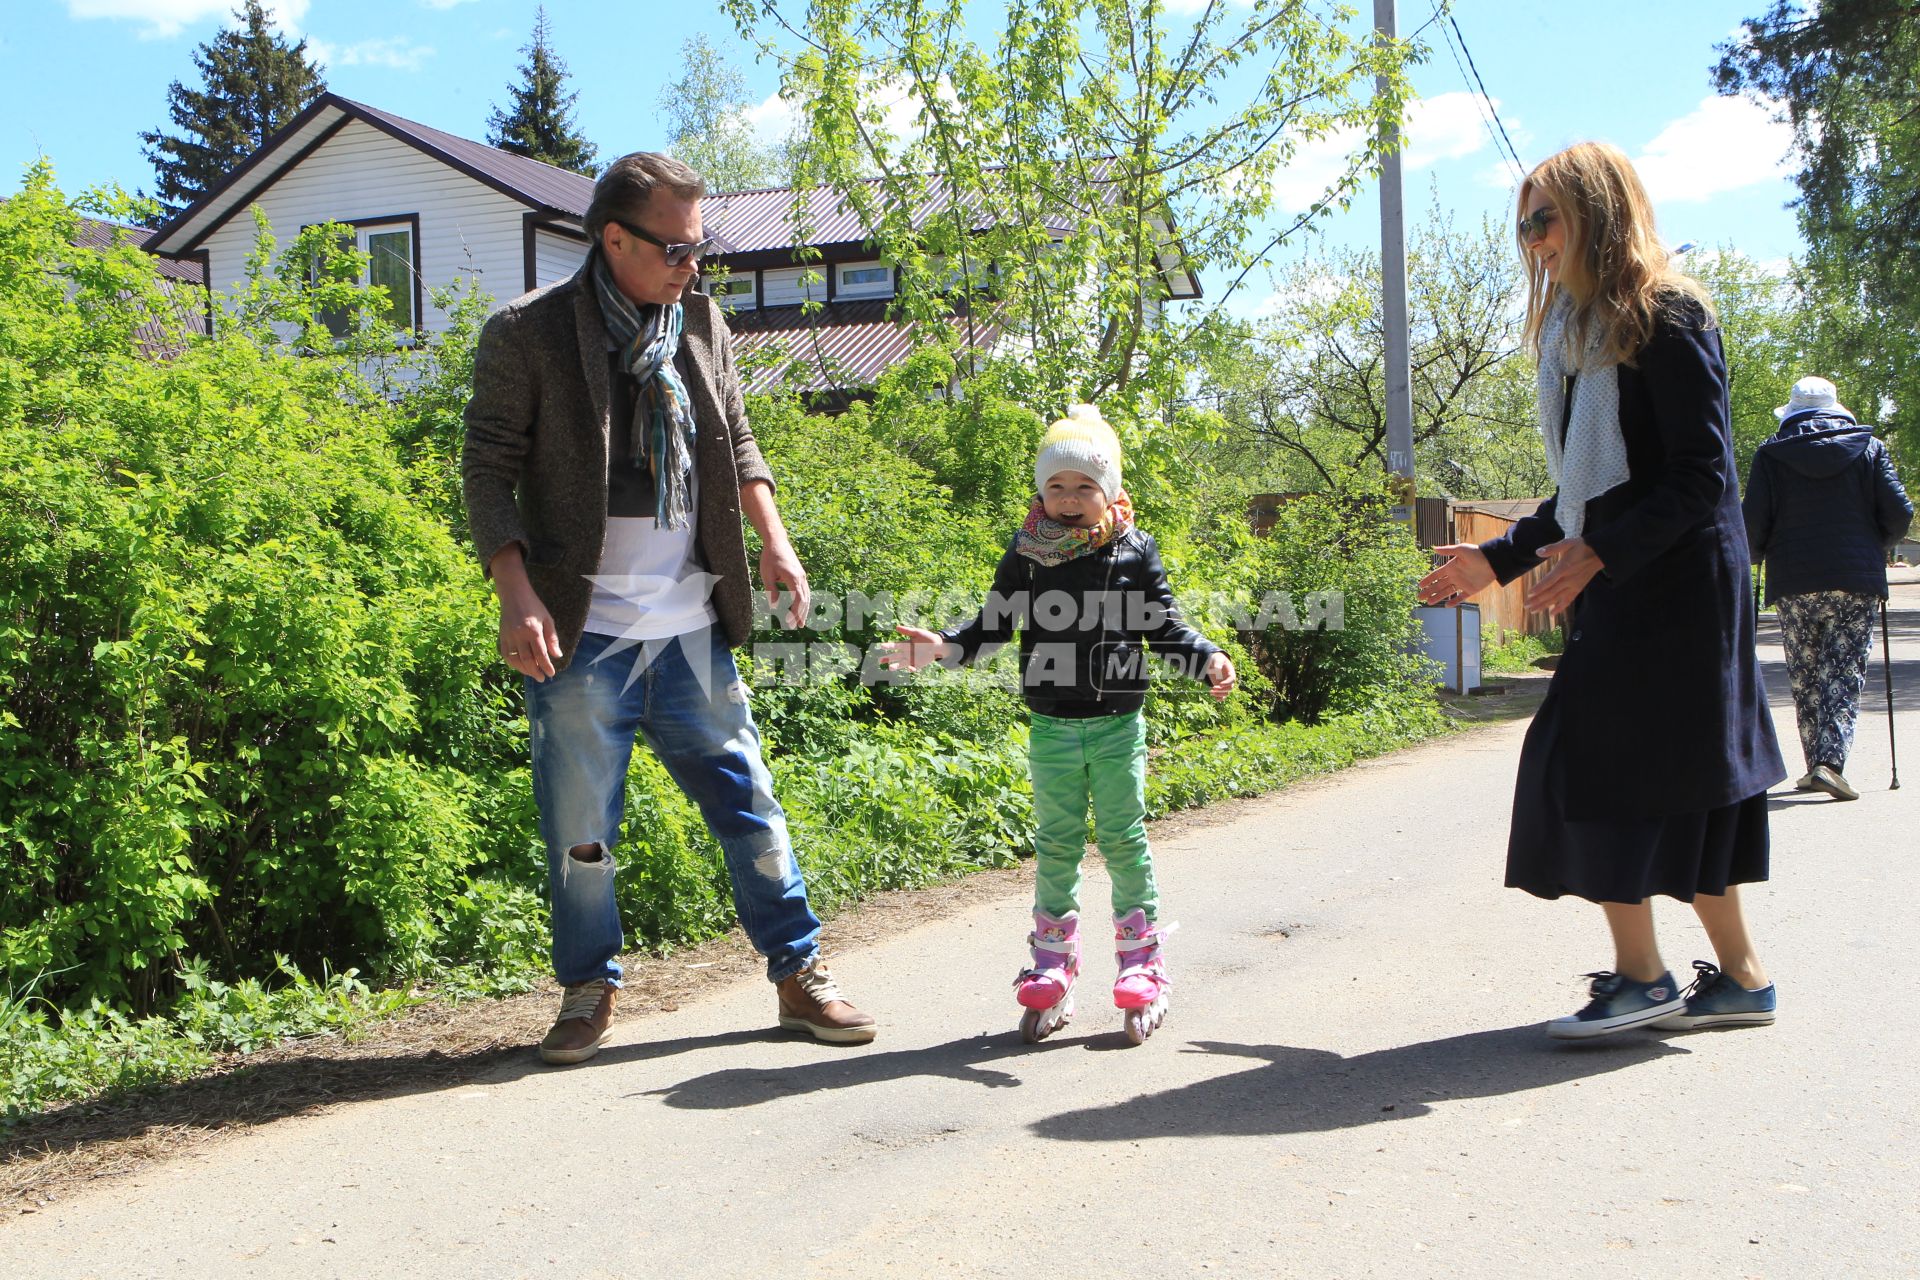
(675, 253)
(1533, 227)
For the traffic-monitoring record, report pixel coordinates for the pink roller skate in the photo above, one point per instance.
(1046, 989)
(1141, 986)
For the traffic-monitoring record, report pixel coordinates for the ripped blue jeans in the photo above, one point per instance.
(685, 697)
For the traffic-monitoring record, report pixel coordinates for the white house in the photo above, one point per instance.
(429, 208)
(426, 206)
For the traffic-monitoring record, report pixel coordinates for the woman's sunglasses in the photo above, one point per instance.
(675, 253)
(1533, 227)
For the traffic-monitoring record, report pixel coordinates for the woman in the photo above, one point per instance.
(1646, 769)
(1823, 505)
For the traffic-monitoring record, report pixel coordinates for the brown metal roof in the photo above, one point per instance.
(184, 280)
(755, 221)
(842, 346)
(534, 183)
(99, 233)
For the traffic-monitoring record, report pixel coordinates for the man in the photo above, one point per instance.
(608, 463)
(1822, 506)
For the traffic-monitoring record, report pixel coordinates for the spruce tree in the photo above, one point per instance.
(254, 81)
(540, 124)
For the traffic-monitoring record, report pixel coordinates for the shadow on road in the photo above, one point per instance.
(750, 1086)
(1314, 1090)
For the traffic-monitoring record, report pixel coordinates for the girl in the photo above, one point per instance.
(1084, 584)
(1646, 769)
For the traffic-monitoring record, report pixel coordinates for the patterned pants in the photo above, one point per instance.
(1828, 636)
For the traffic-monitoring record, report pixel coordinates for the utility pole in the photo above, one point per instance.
(1393, 274)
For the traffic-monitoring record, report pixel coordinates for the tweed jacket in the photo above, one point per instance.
(534, 466)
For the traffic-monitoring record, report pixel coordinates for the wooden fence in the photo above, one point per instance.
(1503, 610)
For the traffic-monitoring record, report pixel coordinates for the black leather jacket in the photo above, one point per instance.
(1081, 624)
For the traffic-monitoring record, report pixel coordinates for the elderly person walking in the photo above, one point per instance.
(1823, 505)
(608, 464)
(1646, 769)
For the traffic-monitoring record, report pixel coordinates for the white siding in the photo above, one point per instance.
(466, 227)
(782, 288)
(555, 257)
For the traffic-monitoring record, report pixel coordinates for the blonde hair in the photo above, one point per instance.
(1614, 267)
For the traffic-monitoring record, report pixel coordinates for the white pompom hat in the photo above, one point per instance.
(1082, 441)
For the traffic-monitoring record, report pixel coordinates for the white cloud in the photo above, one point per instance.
(442, 4)
(167, 18)
(397, 52)
(773, 121)
(1195, 6)
(1722, 145)
(1447, 126)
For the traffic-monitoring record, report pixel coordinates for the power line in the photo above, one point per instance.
(1480, 105)
(1519, 167)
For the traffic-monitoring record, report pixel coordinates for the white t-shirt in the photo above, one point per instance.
(651, 584)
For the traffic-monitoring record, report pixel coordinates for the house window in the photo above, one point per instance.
(735, 293)
(389, 250)
(864, 280)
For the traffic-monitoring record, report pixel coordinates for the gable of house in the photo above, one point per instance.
(431, 208)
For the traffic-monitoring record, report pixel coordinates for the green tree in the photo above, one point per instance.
(539, 123)
(1847, 74)
(1067, 169)
(1307, 383)
(253, 81)
(705, 110)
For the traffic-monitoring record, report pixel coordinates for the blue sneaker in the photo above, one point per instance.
(1715, 1000)
(1619, 1003)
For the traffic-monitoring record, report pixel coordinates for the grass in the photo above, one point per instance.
(1516, 656)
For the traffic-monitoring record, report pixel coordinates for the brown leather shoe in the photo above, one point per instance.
(810, 1002)
(584, 1024)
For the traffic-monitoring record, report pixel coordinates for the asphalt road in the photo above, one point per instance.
(1353, 1082)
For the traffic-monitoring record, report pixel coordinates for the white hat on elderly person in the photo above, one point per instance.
(1809, 394)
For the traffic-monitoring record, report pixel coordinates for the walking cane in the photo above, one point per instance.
(1886, 664)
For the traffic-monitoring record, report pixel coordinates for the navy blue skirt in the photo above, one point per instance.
(1622, 859)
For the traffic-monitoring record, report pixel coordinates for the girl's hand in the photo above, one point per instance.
(1574, 566)
(1219, 674)
(920, 647)
(1464, 573)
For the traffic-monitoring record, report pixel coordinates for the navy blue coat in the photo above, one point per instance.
(1823, 505)
(1664, 709)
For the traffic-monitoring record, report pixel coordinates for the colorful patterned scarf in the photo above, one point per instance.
(1048, 542)
(663, 427)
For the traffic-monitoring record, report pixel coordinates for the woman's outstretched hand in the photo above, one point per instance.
(1574, 565)
(920, 647)
(1465, 572)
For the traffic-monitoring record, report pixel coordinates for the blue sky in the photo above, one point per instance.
(79, 80)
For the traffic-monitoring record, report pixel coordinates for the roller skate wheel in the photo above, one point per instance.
(1141, 1023)
(1037, 1024)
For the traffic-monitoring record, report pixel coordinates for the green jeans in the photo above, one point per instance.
(1104, 760)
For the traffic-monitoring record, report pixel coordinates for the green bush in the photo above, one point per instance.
(1331, 589)
(240, 652)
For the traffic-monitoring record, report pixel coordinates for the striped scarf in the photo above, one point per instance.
(663, 427)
